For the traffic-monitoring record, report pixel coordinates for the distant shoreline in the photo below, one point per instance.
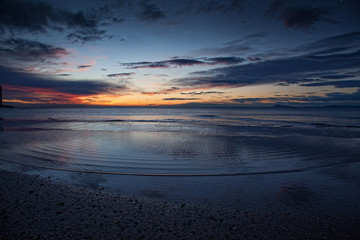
(6, 106)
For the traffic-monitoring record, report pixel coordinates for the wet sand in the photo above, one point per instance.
(38, 207)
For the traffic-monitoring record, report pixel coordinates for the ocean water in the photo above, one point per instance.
(212, 153)
(181, 141)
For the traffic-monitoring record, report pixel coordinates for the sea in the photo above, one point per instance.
(221, 155)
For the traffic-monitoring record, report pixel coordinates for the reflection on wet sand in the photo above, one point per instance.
(295, 193)
(233, 157)
(170, 154)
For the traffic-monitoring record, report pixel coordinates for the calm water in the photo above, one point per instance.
(175, 141)
(205, 153)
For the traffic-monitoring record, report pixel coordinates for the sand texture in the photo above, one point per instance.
(36, 208)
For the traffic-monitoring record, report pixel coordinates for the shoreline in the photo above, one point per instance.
(35, 207)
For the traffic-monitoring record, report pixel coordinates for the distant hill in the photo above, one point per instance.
(282, 106)
(327, 106)
(342, 106)
(5, 106)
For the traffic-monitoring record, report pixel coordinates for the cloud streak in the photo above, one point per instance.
(335, 97)
(31, 82)
(296, 70)
(26, 50)
(343, 43)
(241, 46)
(84, 66)
(180, 99)
(201, 93)
(150, 12)
(337, 84)
(297, 16)
(223, 7)
(115, 75)
(28, 16)
(181, 62)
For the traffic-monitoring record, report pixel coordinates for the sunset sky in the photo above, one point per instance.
(185, 52)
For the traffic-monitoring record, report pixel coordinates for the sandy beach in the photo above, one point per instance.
(38, 207)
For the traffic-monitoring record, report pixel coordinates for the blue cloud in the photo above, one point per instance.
(336, 97)
(150, 12)
(27, 50)
(337, 84)
(298, 16)
(296, 70)
(40, 16)
(15, 79)
(180, 62)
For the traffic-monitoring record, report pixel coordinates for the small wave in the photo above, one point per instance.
(26, 129)
(114, 120)
(208, 116)
(263, 172)
(170, 156)
(333, 125)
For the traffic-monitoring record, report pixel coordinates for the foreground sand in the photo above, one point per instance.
(32, 207)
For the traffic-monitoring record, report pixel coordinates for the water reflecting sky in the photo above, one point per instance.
(223, 151)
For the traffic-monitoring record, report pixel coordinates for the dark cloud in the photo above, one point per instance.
(64, 74)
(87, 35)
(153, 93)
(165, 91)
(301, 18)
(239, 48)
(40, 16)
(211, 7)
(201, 93)
(254, 59)
(236, 47)
(337, 84)
(336, 97)
(32, 16)
(32, 81)
(159, 75)
(27, 50)
(296, 70)
(180, 99)
(225, 60)
(333, 50)
(121, 74)
(245, 100)
(150, 11)
(223, 6)
(183, 62)
(74, 20)
(162, 64)
(84, 66)
(298, 16)
(339, 76)
(342, 43)
(247, 38)
(282, 84)
(180, 62)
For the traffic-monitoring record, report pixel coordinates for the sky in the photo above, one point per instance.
(195, 53)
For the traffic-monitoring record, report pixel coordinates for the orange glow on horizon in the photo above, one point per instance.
(163, 97)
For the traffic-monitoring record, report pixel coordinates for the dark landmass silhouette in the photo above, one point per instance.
(6, 106)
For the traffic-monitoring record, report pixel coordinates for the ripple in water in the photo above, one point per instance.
(184, 154)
